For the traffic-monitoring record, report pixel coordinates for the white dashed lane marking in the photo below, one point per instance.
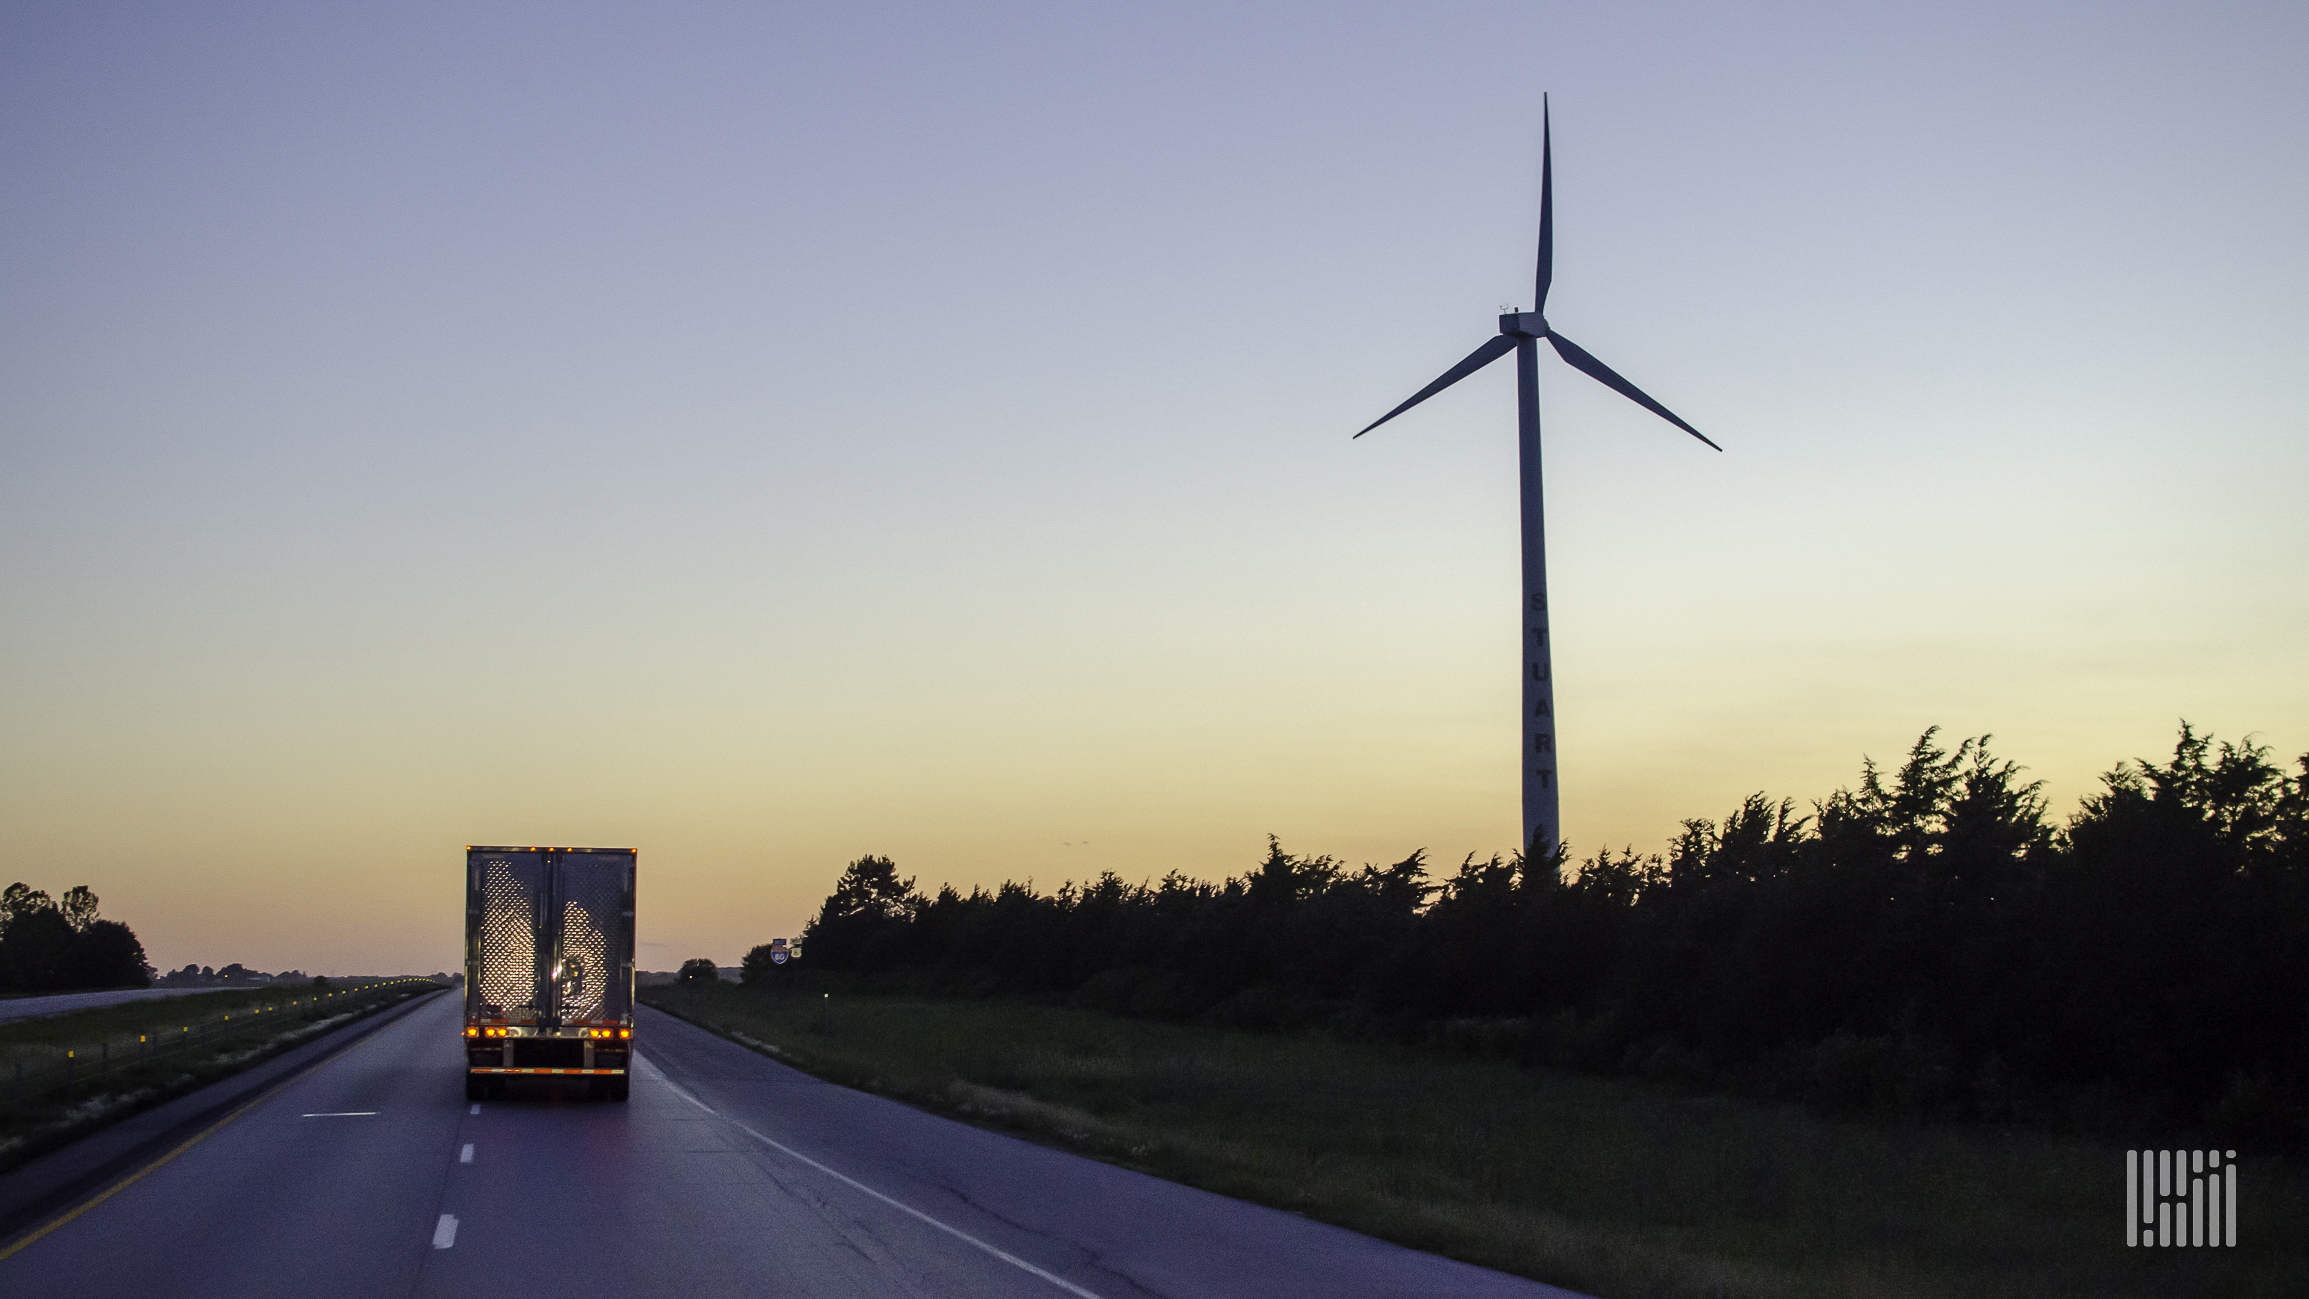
(465, 1156)
(445, 1231)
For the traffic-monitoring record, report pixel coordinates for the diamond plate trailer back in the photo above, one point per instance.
(548, 968)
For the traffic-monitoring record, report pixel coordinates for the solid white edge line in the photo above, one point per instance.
(956, 1232)
(465, 1156)
(445, 1231)
(907, 1209)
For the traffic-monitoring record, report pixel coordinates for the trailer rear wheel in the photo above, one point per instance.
(617, 1087)
(476, 1087)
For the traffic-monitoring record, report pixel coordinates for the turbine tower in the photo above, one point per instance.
(1520, 332)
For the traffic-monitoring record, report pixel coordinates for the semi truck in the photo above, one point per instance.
(548, 969)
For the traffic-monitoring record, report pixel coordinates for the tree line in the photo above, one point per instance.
(196, 975)
(52, 945)
(1930, 941)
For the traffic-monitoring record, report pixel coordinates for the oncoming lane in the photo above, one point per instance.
(64, 1003)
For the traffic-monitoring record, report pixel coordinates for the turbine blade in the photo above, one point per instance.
(1546, 212)
(1609, 378)
(1499, 346)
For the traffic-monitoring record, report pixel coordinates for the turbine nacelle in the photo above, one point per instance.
(1523, 324)
(1516, 326)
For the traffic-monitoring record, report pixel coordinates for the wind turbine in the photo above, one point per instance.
(1520, 332)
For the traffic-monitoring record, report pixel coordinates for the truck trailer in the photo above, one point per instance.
(548, 969)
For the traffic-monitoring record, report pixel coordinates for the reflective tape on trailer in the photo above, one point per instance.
(482, 1069)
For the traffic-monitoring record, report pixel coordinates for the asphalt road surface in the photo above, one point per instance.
(726, 1174)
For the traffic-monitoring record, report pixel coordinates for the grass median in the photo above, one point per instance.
(64, 1076)
(1622, 1189)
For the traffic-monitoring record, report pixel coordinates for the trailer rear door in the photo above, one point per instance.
(590, 976)
(549, 934)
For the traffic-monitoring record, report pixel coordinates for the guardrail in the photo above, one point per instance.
(40, 1075)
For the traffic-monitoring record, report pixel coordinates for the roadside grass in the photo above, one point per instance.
(127, 1019)
(190, 1042)
(1624, 1189)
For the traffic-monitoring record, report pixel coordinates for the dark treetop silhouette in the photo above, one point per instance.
(1930, 941)
(1520, 332)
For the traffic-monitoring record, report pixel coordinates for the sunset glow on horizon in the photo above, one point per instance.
(765, 438)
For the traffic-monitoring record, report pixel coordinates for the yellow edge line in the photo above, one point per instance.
(203, 1135)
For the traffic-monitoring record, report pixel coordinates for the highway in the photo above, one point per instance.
(726, 1174)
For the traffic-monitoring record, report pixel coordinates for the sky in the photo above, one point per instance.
(762, 435)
